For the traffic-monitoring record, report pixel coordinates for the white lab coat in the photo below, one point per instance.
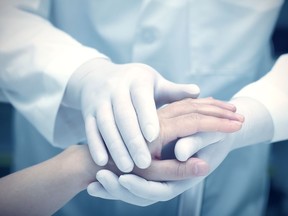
(221, 45)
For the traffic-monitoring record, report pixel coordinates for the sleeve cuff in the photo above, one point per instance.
(272, 92)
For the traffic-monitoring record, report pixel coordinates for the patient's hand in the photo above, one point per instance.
(189, 116)
(177, 120)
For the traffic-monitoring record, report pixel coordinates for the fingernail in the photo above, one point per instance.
(231, 107)
(237, 123)
(125, 165)
(240, 117)
(201, 169)
(143, 161)
(150, 133)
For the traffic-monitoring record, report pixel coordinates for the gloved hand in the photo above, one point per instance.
(136, 190)
(118, 107)
(191, 116)
(109, 186)
(211, 147)
(257, 128)
(177, 120)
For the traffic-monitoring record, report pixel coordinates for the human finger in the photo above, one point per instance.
(154, 190)
(128, 126)
(188, 146)
(201, 106)
(96, 146)
(167, 92)
(142, 95)
(113, 140)
(186, 125)
(111, 185)
(171, 170)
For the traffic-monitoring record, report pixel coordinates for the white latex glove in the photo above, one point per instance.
(257, 128)
(135, 190)
(178, 119)
(138, 191)
(118, 107)
(109, 186)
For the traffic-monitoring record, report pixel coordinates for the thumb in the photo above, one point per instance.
(188, 146)
(167, 92)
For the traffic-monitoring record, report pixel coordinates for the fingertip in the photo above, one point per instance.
(238, 117)
(236, 125)
(230, 107)
(125, 164)
(182, 150)
(241, 118)
(101, 159)
(100, 175)
(151, 132)
(143, 161)
(98, 154)
(194, 90)
(93, 188)
(181, 155)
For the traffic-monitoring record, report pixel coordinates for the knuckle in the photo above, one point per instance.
(188, 101)
(195, 117)
(193, 104)
(212, 101)
(182, 171)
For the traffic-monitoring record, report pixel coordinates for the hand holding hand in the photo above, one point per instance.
(119, 110)
(257, 128)
(178, 119)
(212, 147)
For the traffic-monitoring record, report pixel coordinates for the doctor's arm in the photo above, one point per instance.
(39, 60)
(264, 106)
(44, 188)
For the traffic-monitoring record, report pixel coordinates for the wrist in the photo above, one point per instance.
(79, 165)
(258, 125)
(72, 95)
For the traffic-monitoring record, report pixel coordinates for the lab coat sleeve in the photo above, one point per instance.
(272, 91)
(36, 62)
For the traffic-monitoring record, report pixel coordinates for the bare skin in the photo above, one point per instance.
(44, 188)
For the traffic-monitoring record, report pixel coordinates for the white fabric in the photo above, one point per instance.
(191, 201)
(272, 92)
(36, 64)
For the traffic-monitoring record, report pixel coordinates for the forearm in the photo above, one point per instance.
(257, 127)
(46, 187)
(30, 60)
(272, 92)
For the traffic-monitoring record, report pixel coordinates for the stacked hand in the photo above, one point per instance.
(177, 120)
(119, 110)
(211, 147)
